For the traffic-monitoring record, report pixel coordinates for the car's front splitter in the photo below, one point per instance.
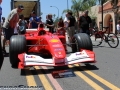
(35, 60)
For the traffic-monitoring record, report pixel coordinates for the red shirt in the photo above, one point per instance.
(60, 24)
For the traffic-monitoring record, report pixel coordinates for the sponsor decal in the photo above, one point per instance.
(30, 56)
(80, 53)
(59, 53)
(57, 45)
(58, 49)
(60, 56)
(54, 40)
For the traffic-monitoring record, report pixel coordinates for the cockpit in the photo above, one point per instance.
(41, 30)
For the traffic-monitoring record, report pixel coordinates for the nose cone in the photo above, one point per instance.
(60, 54)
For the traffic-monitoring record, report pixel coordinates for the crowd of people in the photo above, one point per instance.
(15, 24)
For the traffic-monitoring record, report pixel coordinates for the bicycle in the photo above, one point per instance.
(98, 37)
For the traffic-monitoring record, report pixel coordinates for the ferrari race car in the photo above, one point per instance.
(39, 47)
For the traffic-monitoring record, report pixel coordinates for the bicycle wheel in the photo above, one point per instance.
(96, 40)
(113, 40)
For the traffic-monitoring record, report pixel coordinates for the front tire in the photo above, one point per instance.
(17, 46)
(82, 41)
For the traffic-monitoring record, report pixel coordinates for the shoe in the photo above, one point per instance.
(69, 45)
(4, 51)
(14, 66)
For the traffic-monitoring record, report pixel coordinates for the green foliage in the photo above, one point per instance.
(56, 21)
(80, 5)
(114, 2)
(100, 1)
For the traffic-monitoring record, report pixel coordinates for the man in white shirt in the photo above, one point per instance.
(66, 20)
(16, 29)
(118, 27)
(66, 24)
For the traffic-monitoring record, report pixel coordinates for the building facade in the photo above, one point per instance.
(108, 16)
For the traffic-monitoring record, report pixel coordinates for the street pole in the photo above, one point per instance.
(67, 6)
(102, 13)
(57, 9)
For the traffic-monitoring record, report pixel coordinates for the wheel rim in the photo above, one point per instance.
(113, 40)
(76, 44)
(96, 40)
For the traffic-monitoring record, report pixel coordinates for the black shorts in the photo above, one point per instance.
(8, 33)
(22, 32)
(87, 31)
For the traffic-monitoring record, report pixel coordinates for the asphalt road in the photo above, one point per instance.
(103, 75)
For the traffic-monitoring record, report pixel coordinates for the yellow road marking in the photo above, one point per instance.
(108, 84)
(43, 79)
(86, 79)
(30, 78)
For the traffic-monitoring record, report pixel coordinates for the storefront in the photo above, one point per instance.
(108, 17)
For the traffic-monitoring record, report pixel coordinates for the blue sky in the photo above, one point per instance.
(45, 7)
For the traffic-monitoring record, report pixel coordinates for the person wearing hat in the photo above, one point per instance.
(34, 20)
(84, 22)
(10, 24)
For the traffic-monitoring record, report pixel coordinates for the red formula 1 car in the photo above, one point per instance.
(41, 47)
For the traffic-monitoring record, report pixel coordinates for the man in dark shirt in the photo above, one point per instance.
(71, 26)
(49, 23)
(1, 54)
(84, 23)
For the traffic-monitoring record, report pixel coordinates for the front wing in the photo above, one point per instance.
(35, 60)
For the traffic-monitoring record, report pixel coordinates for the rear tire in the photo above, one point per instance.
(82, 41)
(96, 40)
(113, 40)
(17, 46)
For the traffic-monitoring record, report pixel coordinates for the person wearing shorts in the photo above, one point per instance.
(1, 54)
(71, 26)
(10, 24)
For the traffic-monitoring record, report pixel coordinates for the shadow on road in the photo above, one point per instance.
(105, 47)
(35, 71)
(87, 67)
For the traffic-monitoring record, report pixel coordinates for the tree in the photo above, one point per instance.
(114, 4)
(100, 1)
(76, 7)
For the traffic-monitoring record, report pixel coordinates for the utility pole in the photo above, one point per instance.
(57, 9)
(102, 13)
(67, 5)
